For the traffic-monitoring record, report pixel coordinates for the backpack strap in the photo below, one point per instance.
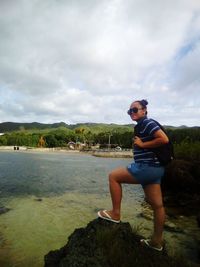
(161, 127)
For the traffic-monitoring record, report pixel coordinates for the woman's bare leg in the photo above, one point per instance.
(154, 198)
(116, 178)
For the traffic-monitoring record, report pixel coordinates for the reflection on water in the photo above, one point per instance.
(51, 194)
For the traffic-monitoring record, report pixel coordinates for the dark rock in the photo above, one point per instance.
(198, 219)
(181, 186)
(171, 227)
(38, 199)
(182, 176)
(3, 210)
(105, 244)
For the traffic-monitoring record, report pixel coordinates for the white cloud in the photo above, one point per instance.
(79, 61)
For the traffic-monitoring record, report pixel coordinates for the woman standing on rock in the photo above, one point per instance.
(145, 170)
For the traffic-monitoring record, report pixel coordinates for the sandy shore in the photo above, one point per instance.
(96, 153)
(36, 149)
(113, 154)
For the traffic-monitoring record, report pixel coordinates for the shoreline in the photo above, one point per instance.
(113, 154)
(25, 149)
(96, 153)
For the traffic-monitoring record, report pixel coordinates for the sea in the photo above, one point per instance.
(50, 194)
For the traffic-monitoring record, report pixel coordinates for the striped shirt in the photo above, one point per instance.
(145, 130)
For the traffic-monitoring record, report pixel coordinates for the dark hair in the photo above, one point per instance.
(143, 103)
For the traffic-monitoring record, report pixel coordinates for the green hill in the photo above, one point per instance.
(17, 126)
(6, 127)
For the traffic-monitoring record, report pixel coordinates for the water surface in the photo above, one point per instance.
(51, 194)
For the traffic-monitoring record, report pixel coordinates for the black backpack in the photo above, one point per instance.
(164, 153)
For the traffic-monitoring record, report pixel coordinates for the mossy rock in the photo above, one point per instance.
(105, 244)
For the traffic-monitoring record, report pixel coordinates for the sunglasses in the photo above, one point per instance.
(133, 110)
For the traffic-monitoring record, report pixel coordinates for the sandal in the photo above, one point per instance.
(148, 243)
(105, 216)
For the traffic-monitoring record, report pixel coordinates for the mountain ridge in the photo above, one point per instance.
(17, 126)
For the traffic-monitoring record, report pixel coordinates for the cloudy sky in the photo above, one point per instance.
(87, 60)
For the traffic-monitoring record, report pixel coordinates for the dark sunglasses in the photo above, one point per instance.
(133, 110)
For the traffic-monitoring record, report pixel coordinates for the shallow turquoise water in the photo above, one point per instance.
(72, 188)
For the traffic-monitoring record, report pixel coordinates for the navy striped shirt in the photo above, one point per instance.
(145, 129)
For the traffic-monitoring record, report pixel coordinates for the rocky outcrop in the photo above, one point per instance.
(198, 219)
(182, 177)
(181, 186)
(105, 244)
(3, 210)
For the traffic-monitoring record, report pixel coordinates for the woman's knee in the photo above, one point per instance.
(156, 205)
(153, 196)
(121, 175)
(112, 177)
(115, 176)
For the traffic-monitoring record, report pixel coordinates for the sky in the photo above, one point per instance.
(81, 61)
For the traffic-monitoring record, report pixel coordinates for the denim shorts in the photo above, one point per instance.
(146, 174)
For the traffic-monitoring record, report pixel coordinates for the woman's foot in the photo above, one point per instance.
(151, 244)
(109, 216)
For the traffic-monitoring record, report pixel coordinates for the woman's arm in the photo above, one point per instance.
(160, 138)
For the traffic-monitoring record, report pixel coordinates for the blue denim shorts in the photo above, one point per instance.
(146, 174)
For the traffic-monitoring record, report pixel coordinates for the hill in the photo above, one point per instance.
(94, 127)
(17, 126)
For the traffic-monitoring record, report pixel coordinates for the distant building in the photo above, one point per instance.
(71, 145)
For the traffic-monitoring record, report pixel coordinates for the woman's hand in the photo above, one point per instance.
(160, 138)
(138, 142)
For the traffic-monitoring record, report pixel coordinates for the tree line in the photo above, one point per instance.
(62, 137)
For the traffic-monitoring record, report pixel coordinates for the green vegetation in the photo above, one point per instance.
(60, 136)
(188, 151)
(186, 143)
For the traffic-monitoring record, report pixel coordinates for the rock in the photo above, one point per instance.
(182, 176)
(198, 219)
(171, 227)
(38, 199)
(105, 244)
(147, 215)
(181, 187)
(4, 210)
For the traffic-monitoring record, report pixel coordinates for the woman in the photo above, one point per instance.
(145, 170)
